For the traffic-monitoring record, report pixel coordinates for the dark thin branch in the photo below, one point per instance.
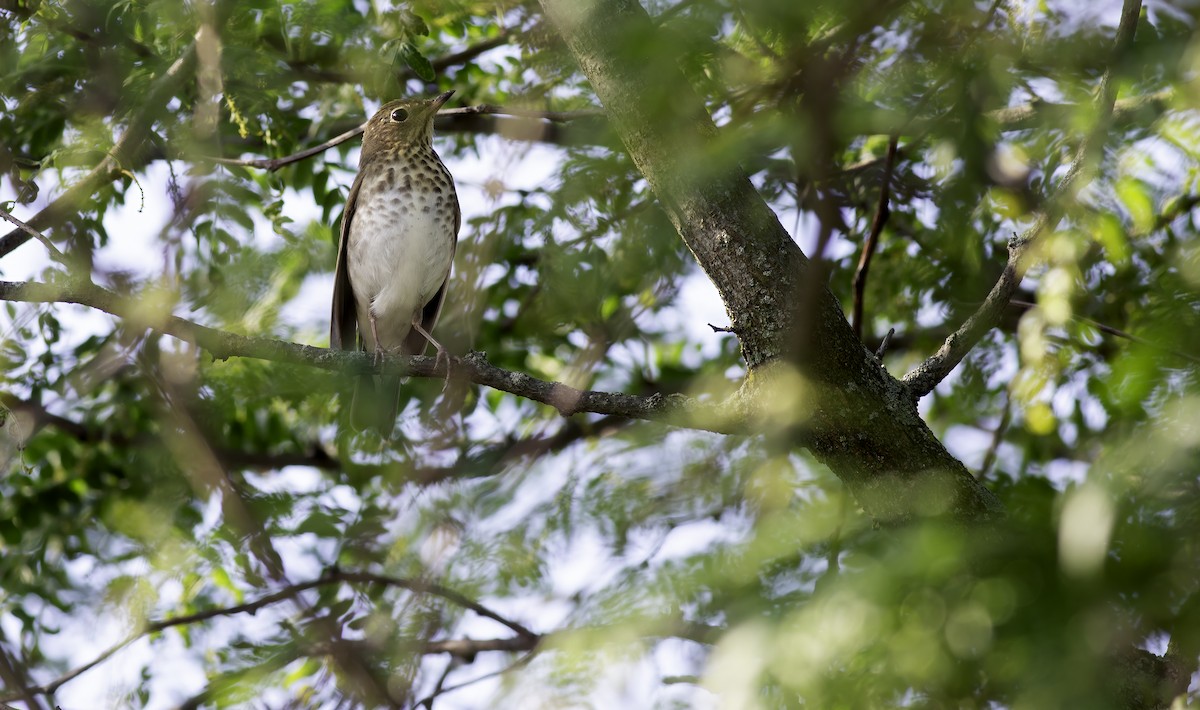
(440, 690)
(432, 589)
(526, 116)
(54, 251)
(470, 52)
(273, 164)
(524, 641)
(453, 663)
(473, 367)
(882, 212)
(1036, 113)
(989, 457)
(928, 374)
(552, 116)
(469, 648)
(885, 344)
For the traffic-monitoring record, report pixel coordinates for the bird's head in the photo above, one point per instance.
(402, 125)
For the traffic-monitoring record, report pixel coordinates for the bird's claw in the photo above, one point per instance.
(442, 357)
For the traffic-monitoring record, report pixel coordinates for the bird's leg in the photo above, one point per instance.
(375, 335)
(442, 355)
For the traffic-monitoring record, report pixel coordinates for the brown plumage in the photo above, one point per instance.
(397, 243)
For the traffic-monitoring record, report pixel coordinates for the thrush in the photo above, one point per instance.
(399, 231)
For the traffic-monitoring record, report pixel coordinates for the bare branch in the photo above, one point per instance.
(468, 648)
(273, 164)
(441, 689)
(431, 588)
(928, 374)
(989, 457)
(868, 251)
(1035, 113)
(480, 463)
(54, 252)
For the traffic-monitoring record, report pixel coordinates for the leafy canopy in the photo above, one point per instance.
(153, 490)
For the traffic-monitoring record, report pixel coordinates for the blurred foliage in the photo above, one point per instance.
(145, 481)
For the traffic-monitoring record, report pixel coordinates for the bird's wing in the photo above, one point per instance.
(343, 323)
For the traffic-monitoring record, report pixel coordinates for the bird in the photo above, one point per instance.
(396, 247)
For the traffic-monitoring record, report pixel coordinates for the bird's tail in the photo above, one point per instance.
(374, 404)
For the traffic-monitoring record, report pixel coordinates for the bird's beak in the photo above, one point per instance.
(441, 99)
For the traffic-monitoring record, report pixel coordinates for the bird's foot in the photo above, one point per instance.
(379, 352)
(442, 360)
(442, 357)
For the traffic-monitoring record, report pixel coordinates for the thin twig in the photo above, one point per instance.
(273, 164)
(466, 54)
(54, 251)
(989, 458)
(552, 116)
(480, 463)
(933, 370)
(428, 701)
(453, 663)
(1023, 117)
(885, 344)
(432, 589)
(882, 212)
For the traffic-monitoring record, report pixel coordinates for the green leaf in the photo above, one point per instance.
(417, 62)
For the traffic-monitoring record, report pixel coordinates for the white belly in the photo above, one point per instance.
(400, 252)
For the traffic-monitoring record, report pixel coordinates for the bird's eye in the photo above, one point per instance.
(400, 115)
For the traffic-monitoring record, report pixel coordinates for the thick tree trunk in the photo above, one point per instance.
(844, 406)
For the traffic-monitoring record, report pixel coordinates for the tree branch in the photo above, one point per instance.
(526, 122)
(849, 412)
(929, 373)
(473, 367)
(525, 639)
(442, 689)
(881, 216)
